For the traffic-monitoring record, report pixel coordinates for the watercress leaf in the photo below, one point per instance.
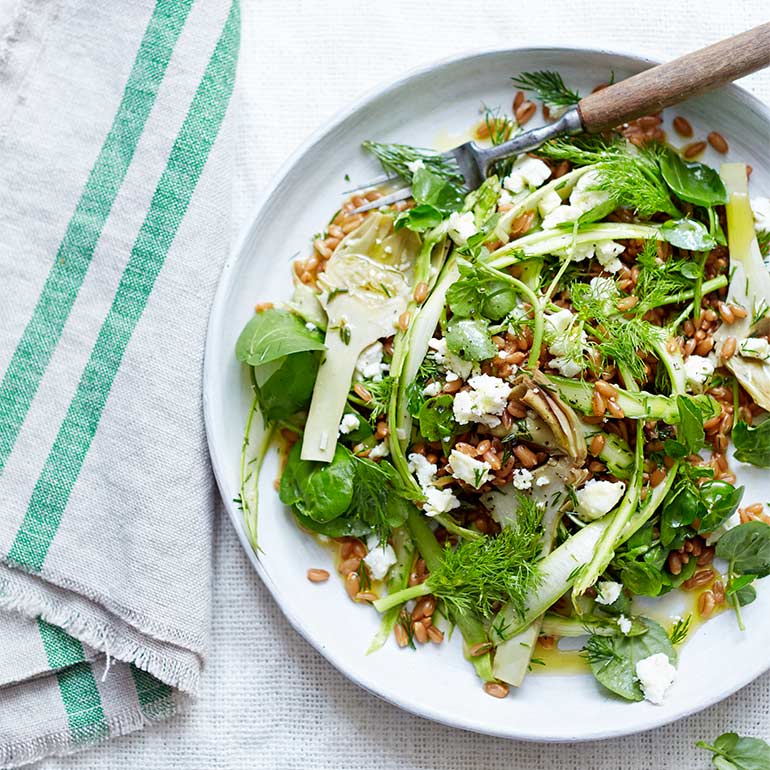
(342, 526)
(675, 449)
(641, 579)
(436, 418)
(720, 500)
(613, 659)
(419, 219)
(687, 234)
(680, 509)
(474, 295)
(752, 445)
(273, 334)
(320, 491)
(289, 388)
(746, 595)
(690, 429)
(439, 192)
(470, 339)
(733, 752)
(747, 548)
(692, 182)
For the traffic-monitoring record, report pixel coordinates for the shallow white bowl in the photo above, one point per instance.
(424, 108)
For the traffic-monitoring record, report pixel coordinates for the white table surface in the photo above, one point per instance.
(269, 700)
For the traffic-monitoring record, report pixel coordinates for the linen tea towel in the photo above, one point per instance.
(115, 172)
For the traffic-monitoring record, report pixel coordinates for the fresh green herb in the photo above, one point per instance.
(479, 294)
(436, 419)
(548, 87)
(272, 334)
(470, 339)
(419, 218)
(690, 429)
(680, 630)
(613, 659)
(364, 582)
(752, 444)
(405, 621)
(658, 279)
(732, 752)
(289, 388)
(480, 573)
(692, 182)
(397, 157)
(720, 501)
(687, 234)
(763, 239)
(334, 292)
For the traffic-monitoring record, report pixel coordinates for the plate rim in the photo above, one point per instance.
(236, 254)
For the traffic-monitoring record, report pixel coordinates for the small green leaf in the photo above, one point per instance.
(419, 219)
(642, 579)
(290, 387)
(747, 548)
(687, 234)
(752, 445)
(470, 339)
(273, 334)
(690, 430)
(436, 418)
(693, 182)
(732, 752)
(437, 191)
(720, 500)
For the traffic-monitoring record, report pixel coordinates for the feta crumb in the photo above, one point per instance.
(548, 203)
(439, 501)
(311, 327)
(761, 209)
(566, 342)
(522, 479)
(452, 362)
(543, 481)
(697, 369)
(604, 290)
(379, 451)
(532, 170)
(598, 497)
(432, 389)
(624, 624)
(415, 165)
(656, 675)
(461, 226)
(424, 471)
(505, 199)
(452, 376)
(468, 469)
(607, 592)
(585, 196)
(369, 365)
(754, 347)
(607, 254)
(561, 216)
(348, 424)
(723, 528)
(484, 403)
(380, 558)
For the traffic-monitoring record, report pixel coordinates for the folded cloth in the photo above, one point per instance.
(115, 180)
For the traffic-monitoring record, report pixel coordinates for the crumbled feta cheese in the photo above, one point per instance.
(348, 424)
(754, 347)
(468, 469)
(604, 290)
(543, 481)
(607, 254)
(655, 674)
(380, 558)
(484, 403)
(415, 165)
(311, 327)
(458, 366)
(585, 196)
(420, 467)
(452, 377)
(607, 592)
(561, 216)
(761, 209)
(723, 528)
(380, 450)
(505, 199)
(526, 173)
(461, 226)
(598, 497)
(548, 203)
(522, 479)
(432, 389)
(697, 369)
(439, 501)
(624, 624)
(566, 341)
(369, 365)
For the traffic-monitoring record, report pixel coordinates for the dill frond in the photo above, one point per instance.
(548, 87)
(381, 392)
(396, 157)
(680, 630)
(763, 238)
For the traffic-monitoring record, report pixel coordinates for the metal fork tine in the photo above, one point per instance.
(394, 197)
(376, 182)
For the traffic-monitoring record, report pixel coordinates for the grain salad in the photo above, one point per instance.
(516, 411)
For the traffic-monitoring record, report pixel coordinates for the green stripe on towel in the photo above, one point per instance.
(69, 268)
(169, 204)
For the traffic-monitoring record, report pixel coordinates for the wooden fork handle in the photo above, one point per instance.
(695, 73)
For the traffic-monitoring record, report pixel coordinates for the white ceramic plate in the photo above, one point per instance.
(437, 683)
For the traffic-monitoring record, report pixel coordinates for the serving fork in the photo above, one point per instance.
(643, 94)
